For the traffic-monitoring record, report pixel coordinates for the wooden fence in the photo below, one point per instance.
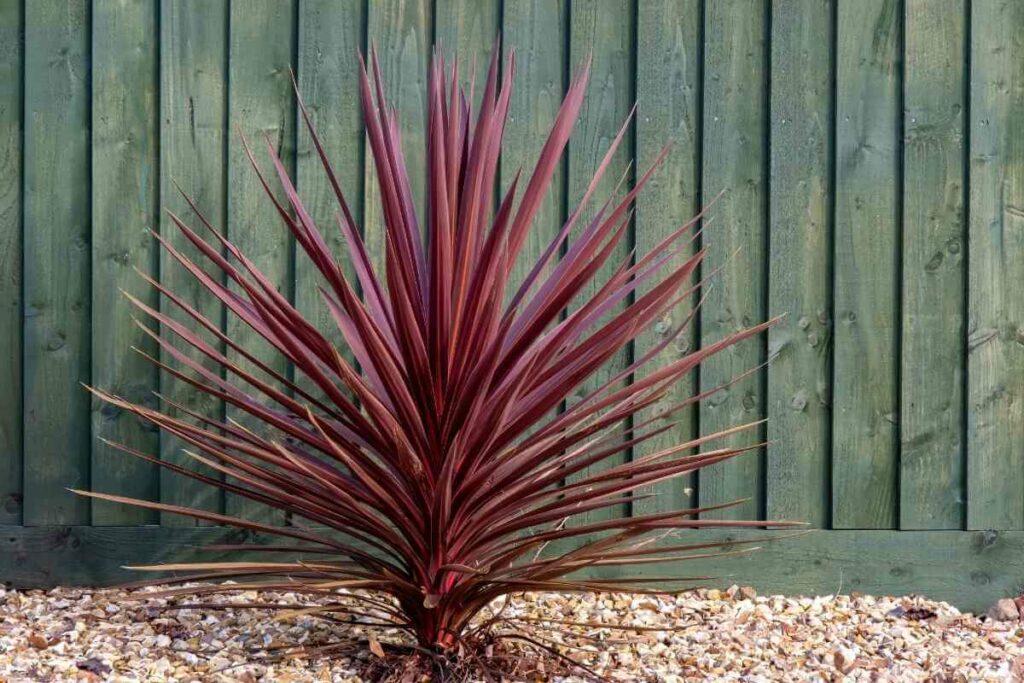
(873, 157)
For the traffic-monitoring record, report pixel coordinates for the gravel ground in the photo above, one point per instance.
(732, 635)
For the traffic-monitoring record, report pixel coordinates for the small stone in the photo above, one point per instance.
(38, 642)
(1003, 610)
(729, 634)
(844, 659)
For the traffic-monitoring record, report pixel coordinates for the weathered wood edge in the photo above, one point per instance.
(969, 569)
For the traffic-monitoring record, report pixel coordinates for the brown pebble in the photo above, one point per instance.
(38, 642)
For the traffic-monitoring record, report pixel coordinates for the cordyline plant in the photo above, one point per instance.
(437, 468)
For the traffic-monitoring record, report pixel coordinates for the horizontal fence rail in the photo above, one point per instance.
(871, 154)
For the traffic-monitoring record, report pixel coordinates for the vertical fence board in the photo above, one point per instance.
(126, 175)
(538, 31)
(402, 32)
(995, 363)
(193, 132)
(605, 31)
(467, 29)
(261, 107)
(56, 260)
(932, 353)
(668, 54)
(800, 262)
(865, 392)
(11, 51)
(331, 34)
(734, 160)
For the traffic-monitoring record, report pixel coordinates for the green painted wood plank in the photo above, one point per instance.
(538, 31)
(261, 104)
(331, 34)
(669, 52)
(11, 26)
(995, 328)
(735, 158)
(56, 260)
(799, 265)
(968, 569)
(402, 31)
(193, 134)
(467, 29)
(49, 556)
(605, 31)
(865, 392)
(932, 353)
(964, 568)
(126, 176)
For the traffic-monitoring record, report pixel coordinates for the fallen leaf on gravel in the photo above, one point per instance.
(911, 614)
(919, 614)
(38, 642)
(93, 665)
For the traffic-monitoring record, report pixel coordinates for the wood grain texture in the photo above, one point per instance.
(735, 160)
(402, 31)
(11, 63)
(800, 262)
(968, 569)
(56, 260)
(126, 177)
(538, 30)
(995, 328)
(331, 34)
(467, 29)
(193, 135)
(605, 31)
(96, 556)
(669, 52)
(932, 354)
(866, 278)
(261, 107)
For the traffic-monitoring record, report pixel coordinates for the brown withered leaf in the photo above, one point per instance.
(38, 642)
(912, 614)
(92, 665)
